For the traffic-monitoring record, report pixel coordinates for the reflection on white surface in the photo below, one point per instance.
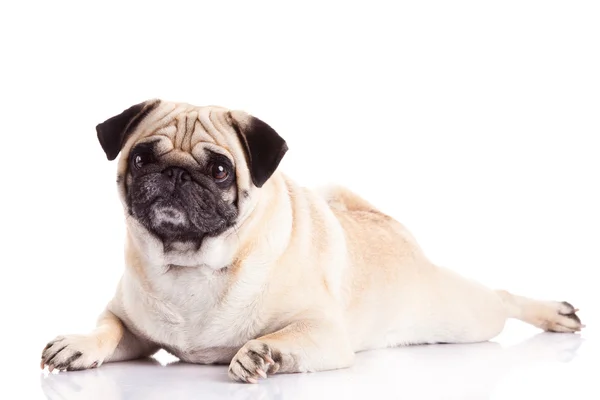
(474, 371)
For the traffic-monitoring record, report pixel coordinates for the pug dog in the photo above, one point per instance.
(229, 261)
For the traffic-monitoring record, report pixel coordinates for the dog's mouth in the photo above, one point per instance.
(185, 213)
(167, 214)
(169, 220)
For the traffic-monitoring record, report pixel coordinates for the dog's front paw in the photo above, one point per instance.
(73, 352)
(253, 360)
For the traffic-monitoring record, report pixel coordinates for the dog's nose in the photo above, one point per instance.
(177, 174)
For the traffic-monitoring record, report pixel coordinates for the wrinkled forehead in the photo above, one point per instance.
(186, 126)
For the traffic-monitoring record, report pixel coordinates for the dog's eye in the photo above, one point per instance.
(140, 160)
(219, 172)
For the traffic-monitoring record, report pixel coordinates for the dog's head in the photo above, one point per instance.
(185, 171)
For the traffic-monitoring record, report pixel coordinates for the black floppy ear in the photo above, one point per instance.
(113, 132)
(263, 147)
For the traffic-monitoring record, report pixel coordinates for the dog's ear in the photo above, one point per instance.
(263, 147)
(113, 132)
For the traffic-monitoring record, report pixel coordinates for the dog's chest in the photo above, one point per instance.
(198, 317)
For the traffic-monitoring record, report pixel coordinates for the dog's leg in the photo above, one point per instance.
(110, 341)
(551, 316)
(440, 306)
(303, 346)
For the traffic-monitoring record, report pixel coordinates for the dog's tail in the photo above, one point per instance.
(341, 198)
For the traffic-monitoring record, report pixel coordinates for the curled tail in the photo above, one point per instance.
(341, 198)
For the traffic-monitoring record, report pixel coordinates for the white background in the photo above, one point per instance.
(476, 124)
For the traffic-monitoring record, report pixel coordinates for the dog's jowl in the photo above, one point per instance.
(229, 261)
